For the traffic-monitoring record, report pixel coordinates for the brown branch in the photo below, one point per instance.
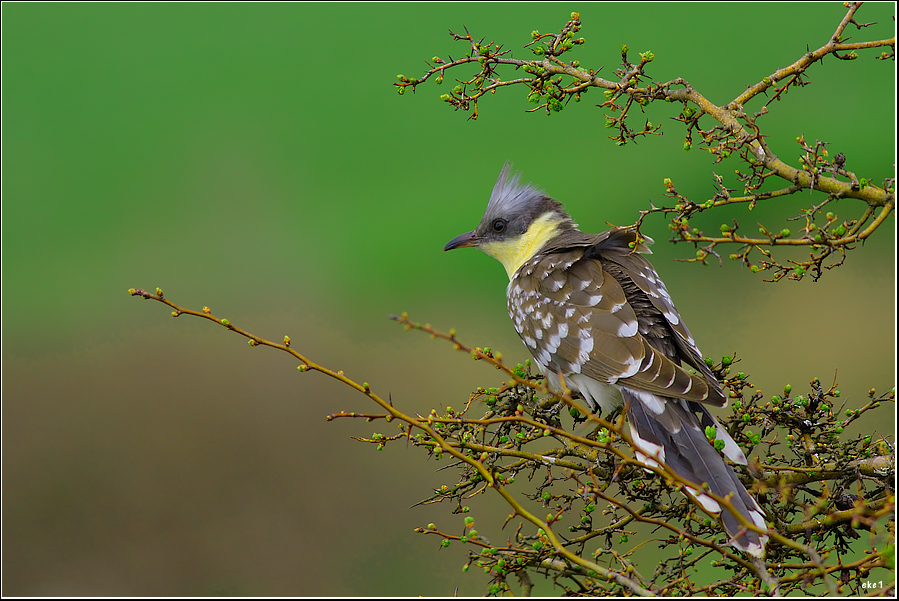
(735, 132)
(450, 434)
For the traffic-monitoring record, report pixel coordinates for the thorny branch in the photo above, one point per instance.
(552, 83)
(818, 495)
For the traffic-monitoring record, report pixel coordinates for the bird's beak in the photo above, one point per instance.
(467, 239)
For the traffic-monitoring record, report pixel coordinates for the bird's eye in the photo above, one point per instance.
(499, 225)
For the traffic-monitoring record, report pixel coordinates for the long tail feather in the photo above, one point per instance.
(674, 437)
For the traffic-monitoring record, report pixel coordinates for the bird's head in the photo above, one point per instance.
(520, 219)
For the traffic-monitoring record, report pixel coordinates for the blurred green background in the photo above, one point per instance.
(257, 159)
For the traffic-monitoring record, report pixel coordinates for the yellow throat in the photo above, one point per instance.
(514, 252)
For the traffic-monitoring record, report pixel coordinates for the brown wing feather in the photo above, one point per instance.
(646, 289)
(576, 317)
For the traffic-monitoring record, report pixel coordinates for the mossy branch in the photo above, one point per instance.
(553, 83)
(501, 432)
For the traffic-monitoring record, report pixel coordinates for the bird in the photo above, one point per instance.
(597, 318)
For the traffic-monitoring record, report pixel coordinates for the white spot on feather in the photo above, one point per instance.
(731, 450)
(632, 366)
(552, 345)
(592, 301)
(584, 348)
(650, 401)
(707, 502)
(648, 453)
(627, 329)
(597, 394)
